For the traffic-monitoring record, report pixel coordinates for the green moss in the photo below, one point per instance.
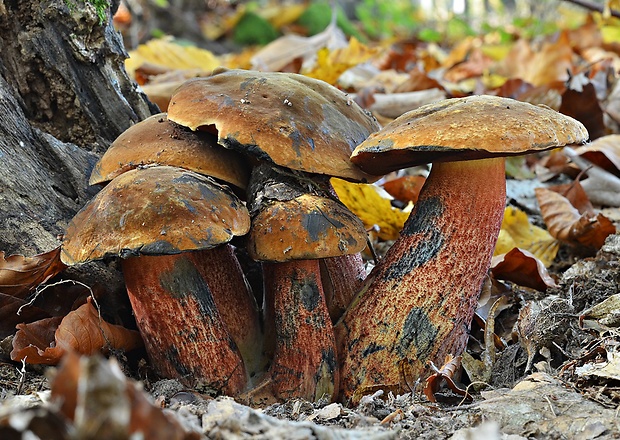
(101, 7)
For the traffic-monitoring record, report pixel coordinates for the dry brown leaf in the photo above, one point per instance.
(539, 66)
(576, 195)
(446, 373)
(523, 268)
(82, 331)
(94, 395)
(19, 275)
(580, 102)
(405, 188)
(566, 223)
(604, 152)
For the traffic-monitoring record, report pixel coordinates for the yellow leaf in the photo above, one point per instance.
(331, 64)
(526, 236)
(166, 53)
(365, 201)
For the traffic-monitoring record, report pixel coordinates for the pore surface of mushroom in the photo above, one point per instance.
(418, 302)
(163, 221)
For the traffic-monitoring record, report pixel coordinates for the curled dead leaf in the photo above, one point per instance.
(82, 330)
(445, 374)
(523, 268)
(565, 222)
(19, 275)
(100, 402)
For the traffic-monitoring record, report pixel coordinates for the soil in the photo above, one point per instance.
(573, 390)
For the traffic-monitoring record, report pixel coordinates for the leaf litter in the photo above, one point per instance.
(543, 357)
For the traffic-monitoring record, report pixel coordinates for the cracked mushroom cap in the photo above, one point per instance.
(291, 120)
(475, 127)
(154, 211)
(156, 140)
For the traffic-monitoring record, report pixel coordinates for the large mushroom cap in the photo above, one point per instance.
(475, 127)
(291, 120)
(154, 211)
(156, 140)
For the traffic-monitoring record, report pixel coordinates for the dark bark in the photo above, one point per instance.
(64, 97)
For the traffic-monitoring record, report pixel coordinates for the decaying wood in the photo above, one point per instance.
(64, 97)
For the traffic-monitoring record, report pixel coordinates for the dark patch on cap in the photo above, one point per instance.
(421, 222)
(372, 348)
(184, 280)
(418, 331)
(316, 223)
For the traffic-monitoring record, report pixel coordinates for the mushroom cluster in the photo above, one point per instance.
(177, 190)
(249, 155)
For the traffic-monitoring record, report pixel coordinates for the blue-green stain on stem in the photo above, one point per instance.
(421, 222)
(418, 331)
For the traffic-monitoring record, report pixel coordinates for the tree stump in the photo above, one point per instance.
(64, 97)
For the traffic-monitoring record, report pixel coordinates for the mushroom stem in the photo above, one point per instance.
(418, 302)
(342, 278)
(235, 302)
(183, 331)
(304, 363)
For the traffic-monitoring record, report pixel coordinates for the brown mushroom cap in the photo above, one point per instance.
(307, 227)
(291, 120)
(474, 127)
(156, 140)
(154, 211)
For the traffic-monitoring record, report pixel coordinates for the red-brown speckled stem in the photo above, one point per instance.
(304, 362)
(418, 302)
(183, 331)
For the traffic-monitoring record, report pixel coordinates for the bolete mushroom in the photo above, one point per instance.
(294, 226)
(157, 141)
(153, 218)
(418, 302)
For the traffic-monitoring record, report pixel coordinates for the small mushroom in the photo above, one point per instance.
(418, 302)
(293, 228)
(153, 218)
(157, 141)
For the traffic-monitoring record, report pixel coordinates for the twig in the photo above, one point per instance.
(594, 7)
(22, 377)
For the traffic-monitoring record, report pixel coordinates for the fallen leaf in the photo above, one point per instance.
(100, 402)
(444, 374)
(166, 53)
(602, 187)
(330, 64)
(365, 201)
(606, 313)
(603, 152)
(286, 49)
(522, 268)
(567, 224)
(582, 104)
(82, 331)
(526, 236)
(19, 275)
(405, 188)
